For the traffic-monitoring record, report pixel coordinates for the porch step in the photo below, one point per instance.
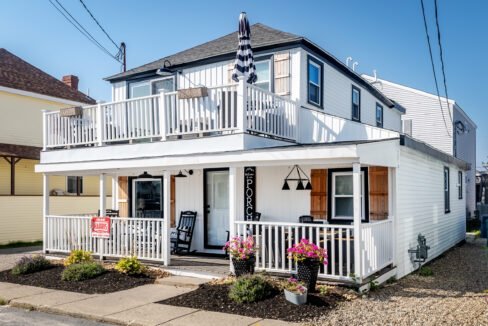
(182, 281)
(378, 278)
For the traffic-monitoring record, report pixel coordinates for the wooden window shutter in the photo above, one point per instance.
(282, 73)
(123, 199)
(378, 193)
(318, 194)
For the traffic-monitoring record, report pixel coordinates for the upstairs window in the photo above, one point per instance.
(447, 199)
(314, 82)
(379, 115)
(139, 89)
(74, 185)
(460, 184)
(263, 72)
(356, 104)
(151, 87)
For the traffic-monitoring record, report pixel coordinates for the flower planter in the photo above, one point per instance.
(296, 298)
(242, 267)
(307, 272)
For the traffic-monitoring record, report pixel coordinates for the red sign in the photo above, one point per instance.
(100, 227)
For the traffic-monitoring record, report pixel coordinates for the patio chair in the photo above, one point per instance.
(181, 238)
(110, 212)
(306, 219)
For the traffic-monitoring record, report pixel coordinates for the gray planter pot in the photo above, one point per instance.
(297, 299)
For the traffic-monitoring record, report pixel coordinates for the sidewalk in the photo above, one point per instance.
(129, 307)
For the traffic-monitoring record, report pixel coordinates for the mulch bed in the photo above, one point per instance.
(214, 297)
(111, 281)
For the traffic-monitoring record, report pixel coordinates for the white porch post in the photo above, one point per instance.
(100, 124)
(232, 205)
(115, 192)
(241, 105)
(167, 217)
(392, 214)
(103, 208)
(45, 210)
(356, 183)
(44, 129)
(162, 115)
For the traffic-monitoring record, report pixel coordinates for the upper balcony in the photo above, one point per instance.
(201, 113)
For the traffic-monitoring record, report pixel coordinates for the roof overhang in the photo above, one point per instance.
(20, 151)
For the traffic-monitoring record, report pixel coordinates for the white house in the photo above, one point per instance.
(309, 118)
(450, 130)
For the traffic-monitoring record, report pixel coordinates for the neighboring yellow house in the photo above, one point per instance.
(25, 91)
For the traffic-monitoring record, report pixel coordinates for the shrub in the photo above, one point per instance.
(249, 288)
(130, 266)
(81, 272)
(426, 271)
(30, 265)
(3, 302)
(77, 257)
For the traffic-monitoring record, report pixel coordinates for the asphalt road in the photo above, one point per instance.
(20, 317)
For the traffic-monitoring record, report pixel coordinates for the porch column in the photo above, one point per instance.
(45, 210)
(241, 114)
(232, 200)
(167, 217)
(356, 184)
(103, 208)
(392, 213)
(115, 192)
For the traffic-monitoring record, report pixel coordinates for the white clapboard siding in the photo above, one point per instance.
(420, 208)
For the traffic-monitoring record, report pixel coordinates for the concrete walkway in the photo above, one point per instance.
(129, 307)
(8, 257)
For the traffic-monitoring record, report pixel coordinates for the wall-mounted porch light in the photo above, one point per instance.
(299, 180)
(145, 175)
(182, 175)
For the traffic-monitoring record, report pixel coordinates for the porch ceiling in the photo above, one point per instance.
(380, 153)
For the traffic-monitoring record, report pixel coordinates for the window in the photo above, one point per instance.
(151, 87)
(74, 185)
(314, 82)
(447, 200)
(342, 193)
(263, 72)
(379, 115)
(460, 185)
(356, 104)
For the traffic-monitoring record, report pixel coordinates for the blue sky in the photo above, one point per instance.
(384, 35)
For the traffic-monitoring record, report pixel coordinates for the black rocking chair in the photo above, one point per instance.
(181, 238)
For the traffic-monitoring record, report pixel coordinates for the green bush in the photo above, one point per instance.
(249, 288)
(130, 266)
(77, 257)
(3, 302)
(30, 265)
(81, 272)
(426, 271)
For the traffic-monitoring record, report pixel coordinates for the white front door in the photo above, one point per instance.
(216, 208)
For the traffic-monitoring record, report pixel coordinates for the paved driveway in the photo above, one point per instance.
(8, 257)
(453, 296)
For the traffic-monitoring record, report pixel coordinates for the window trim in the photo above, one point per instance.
(379, 124)
(447, 190)
(150, 82)
(320, 65)
(331, 191)
(460, 184)
(271, 72)
(358, 119)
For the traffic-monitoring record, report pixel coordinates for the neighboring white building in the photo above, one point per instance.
(239, 146)
(450, 130)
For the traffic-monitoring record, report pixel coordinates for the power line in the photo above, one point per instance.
(81, 29)
(96, 21)
(442, 57)
(433, 67)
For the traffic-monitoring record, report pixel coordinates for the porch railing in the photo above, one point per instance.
(376, 246)
(141, 237)
(274, 238)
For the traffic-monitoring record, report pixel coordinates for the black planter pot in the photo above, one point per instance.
(307, 272)
(242, 267)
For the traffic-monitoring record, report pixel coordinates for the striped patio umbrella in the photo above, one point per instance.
(244, 64)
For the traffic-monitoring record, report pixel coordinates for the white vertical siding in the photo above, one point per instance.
(119, 91)
(337, 89)
(466, 150)
(420, 208)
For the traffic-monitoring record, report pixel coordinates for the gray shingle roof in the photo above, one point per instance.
(262, 35)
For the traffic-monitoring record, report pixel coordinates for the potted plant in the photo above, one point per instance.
(308, 257)
(242, 254)
(295, 292)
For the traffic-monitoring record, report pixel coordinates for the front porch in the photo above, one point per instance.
(352, 205)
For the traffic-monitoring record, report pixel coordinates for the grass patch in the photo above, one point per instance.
(20, 244)
(426, 271)
(3, 302)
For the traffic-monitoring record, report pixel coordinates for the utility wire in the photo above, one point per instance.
(442, 57)
(81, 29)
(96, 21)
(433, 67)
